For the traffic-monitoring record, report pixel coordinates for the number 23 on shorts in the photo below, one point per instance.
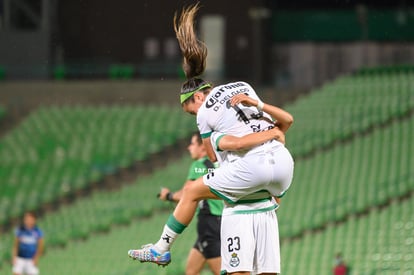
(233, 244)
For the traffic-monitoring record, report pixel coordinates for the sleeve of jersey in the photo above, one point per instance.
(202, 124)
(215, 140)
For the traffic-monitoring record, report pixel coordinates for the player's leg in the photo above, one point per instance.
(281, 166)
(215, 265)
(32, 270)
(267, 255)
(18, 266)
(195, 262)
(231, 182)
(176, 223)
(212, 246)
(208, 242)
(237, 244)
(192, 194)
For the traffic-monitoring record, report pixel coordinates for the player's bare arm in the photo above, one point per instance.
(14, 250)
(39, 251)
(232, 143)
(175, 196)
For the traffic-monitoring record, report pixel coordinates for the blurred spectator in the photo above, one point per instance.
(340, 267)
(27, 247)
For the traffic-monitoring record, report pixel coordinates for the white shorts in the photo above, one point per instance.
(250, 242)
(266, 168)
(25, 266)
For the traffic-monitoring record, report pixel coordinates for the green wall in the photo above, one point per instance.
(342, 25)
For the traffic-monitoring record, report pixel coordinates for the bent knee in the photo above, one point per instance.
(197, 190)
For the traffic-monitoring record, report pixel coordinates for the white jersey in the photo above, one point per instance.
(249, 231)
(217, 115)
(226, 160)
(223, 157)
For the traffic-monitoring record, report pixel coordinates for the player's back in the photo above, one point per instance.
(217, 114)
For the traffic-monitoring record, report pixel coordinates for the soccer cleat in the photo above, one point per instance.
(148, 254)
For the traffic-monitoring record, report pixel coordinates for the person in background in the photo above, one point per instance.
(207, 246)
(27, 247)
(340, 267)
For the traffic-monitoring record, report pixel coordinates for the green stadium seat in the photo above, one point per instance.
(350, 179)
(63, 149)
(348, 106)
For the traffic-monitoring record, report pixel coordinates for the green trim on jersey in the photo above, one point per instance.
(217, 143)
(253, 211)
(281, 195)
(251, 198)
(206, 135)
(229, 201)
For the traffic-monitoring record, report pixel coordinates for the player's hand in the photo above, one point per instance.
(278, 134)
(163, 193)
(243, 99)
(35, 261)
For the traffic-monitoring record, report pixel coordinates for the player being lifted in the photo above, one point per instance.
(236, 110)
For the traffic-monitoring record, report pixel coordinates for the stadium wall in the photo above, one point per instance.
(20, 98)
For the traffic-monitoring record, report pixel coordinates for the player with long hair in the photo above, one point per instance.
(247, 176)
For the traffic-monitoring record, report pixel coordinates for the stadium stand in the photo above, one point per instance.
(386, 70)
(380, 242)
(106, 254)
(352, 190)
(347, 106)
(104, 210)
(59, 150)
(350, 179)
(375, 243)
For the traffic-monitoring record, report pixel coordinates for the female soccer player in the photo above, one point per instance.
(206, 249)
(27, 247)
(236, 110)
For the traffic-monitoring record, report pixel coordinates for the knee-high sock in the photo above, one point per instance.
(170, 232)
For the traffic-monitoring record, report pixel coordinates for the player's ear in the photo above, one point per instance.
(199, 96)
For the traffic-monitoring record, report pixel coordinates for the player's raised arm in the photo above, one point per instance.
(232, 143)
(283, 119)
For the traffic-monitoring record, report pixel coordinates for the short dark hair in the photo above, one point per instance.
(198, 136)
